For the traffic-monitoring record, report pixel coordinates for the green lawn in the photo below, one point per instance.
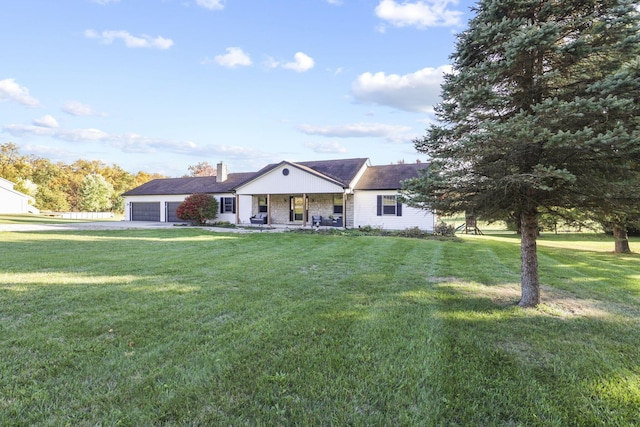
(188, 327)
(48, 219)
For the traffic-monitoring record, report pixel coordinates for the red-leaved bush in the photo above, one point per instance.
(198, 207)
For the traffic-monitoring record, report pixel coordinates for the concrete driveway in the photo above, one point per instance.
(97, 225)
(116, 225)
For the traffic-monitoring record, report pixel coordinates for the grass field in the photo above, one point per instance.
(49, 219)
(188, 327)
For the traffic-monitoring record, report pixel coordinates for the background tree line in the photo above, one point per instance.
(84, 185)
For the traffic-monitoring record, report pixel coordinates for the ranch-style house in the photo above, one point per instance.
(347, 193)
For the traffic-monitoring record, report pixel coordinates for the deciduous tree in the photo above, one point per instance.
(95, 193)
(13, 165)
(202, 169)
(60, 185)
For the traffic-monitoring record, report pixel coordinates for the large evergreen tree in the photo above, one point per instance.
(540, 112)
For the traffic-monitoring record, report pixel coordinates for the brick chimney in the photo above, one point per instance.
(221, 172)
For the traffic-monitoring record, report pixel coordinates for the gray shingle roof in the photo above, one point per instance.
(389, 177)
(343, 171)
(189, 185)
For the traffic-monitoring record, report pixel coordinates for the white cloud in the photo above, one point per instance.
(134, 143)
(76, 108)
(128, 142)
(49, 152)
(144, 41)
(336, 2)
(326, 147)
(391, 133)
(236, 151)
(103, 2)
(211, 4)
(11, 90)
(415, 92)
(69, 135)
(233, 58)
(301, 63)
(270, 62)
(420, 14)
(46, 121)
(79, 135)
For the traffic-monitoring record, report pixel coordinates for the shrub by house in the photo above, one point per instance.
(198, 207)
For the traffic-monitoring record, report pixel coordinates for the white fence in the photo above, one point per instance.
(83, 215)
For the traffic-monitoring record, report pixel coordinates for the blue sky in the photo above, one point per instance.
(158, 85)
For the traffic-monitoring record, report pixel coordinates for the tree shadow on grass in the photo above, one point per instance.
(493, 363)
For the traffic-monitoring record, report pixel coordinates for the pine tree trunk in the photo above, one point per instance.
(622, 240)
(529, 271)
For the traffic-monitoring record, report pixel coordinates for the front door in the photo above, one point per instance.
(297, 209)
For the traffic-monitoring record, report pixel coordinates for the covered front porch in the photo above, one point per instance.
(295, 195)
(315, 209)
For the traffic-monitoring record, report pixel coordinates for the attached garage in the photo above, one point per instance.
(145, 211)
(170, 213)
(158, 199)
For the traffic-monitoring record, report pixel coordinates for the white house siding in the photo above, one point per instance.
(225, 217)
(365, 213)
(12, 201)
(297, 182)
(244, 209)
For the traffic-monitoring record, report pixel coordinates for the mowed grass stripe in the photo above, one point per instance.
(186, 326)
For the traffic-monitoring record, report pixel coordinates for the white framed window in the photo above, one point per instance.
(389, 205)
(227, 205)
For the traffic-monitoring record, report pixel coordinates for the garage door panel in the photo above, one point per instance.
(145, 211)
(171, 211)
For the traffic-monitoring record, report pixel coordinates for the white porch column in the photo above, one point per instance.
(237, 209)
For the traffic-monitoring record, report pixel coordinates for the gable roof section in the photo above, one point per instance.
(189, 185)
(340, 172)
(389, 177)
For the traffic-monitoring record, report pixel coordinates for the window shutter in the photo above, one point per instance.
(398, 209)
(221, 205)
(233, 205)
(379, 205)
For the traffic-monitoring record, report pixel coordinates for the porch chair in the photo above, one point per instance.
(260, 218)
